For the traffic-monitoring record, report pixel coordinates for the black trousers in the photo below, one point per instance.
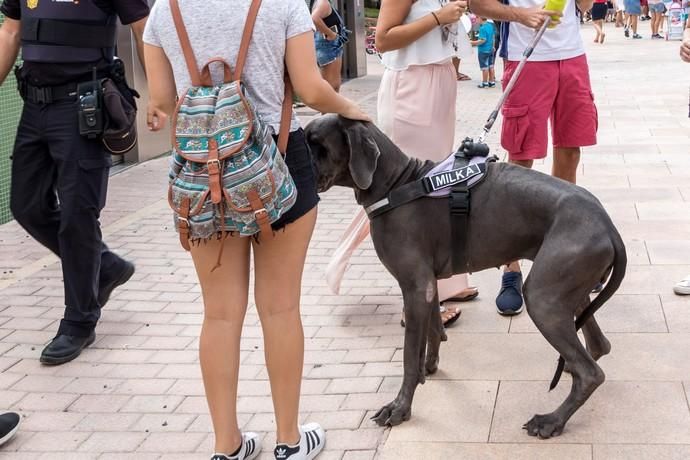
(59, 183)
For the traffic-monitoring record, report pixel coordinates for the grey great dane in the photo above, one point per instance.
(516, 214)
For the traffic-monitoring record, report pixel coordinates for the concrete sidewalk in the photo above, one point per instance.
(137, 393)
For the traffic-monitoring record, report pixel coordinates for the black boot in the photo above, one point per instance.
(64, 348)
(116, 277)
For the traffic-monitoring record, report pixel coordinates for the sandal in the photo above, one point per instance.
(463, 77)
(463, 298)
(449, 317)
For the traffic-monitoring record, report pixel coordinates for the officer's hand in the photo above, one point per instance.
(156, 119)
(685, 50)
(534, 17)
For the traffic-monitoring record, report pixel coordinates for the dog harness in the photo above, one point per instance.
(453, 178)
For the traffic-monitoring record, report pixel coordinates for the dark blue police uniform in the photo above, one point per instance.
(59, 177)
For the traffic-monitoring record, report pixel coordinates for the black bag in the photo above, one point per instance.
(120, 127)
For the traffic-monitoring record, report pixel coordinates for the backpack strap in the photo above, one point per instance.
(195, 75)
(286, 116)
(246, 38)
(286, 113)
(185, 43)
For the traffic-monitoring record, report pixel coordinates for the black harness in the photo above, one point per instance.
(459, 201)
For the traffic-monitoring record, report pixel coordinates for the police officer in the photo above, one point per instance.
(59, 176)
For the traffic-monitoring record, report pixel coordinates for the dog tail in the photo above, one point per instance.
(620, 262)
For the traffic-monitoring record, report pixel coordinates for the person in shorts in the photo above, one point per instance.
(554, 88)
(330, 37)
(633, 10)
(657, 10)
(485, 52)
(600, 10)
(282, 41)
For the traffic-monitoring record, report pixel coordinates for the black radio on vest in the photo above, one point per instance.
(90, 111)
(64, 32)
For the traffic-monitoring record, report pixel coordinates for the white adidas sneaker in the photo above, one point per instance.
(311, 442)
(683, 286)
(249, 450)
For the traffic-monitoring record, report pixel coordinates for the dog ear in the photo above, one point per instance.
(364, 153)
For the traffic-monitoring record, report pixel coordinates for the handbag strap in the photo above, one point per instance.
(192, 67)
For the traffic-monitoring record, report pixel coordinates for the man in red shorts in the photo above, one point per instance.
(553, 88)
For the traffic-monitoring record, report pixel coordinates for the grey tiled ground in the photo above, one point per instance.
(137, 392)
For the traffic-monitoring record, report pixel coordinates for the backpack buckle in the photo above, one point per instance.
(260, 213)
(215, 162)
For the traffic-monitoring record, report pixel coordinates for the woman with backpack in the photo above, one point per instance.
(282, 37)
(330, 38)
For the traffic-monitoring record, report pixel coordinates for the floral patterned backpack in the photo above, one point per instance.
(227, 174)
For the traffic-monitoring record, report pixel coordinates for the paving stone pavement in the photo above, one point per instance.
(137, 393)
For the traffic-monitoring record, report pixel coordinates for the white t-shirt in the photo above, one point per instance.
(215, 30)
(562, 42)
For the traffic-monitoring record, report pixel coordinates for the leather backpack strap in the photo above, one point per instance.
(185, 43)
(285, 116)
(246, 38)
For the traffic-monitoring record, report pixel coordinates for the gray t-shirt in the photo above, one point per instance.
(215, 30)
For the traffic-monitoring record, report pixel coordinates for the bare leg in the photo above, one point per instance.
(279, 263)
(565, 163)
(597, 27)
(332, 73)
(225, 305)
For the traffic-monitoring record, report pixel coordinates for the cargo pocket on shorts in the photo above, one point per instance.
(515, 125)
(595, 113)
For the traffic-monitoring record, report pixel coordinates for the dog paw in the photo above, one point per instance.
(392, 414)
(544, 426)
(431, 365)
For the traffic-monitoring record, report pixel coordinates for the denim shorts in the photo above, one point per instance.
(328, 51)
(486, 60)
(633, 7)
(301, 166)
(657, 7)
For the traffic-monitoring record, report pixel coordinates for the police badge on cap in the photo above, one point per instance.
(31, 4)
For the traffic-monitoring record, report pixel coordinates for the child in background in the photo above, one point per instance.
(485, 49)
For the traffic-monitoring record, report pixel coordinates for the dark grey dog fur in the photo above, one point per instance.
(517, 214)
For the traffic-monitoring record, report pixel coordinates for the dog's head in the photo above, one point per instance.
(344, 151)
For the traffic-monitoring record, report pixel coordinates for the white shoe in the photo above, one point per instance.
(312, 440)
(249, 450)
(682, 287)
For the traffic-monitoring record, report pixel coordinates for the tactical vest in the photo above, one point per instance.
(66, 31)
